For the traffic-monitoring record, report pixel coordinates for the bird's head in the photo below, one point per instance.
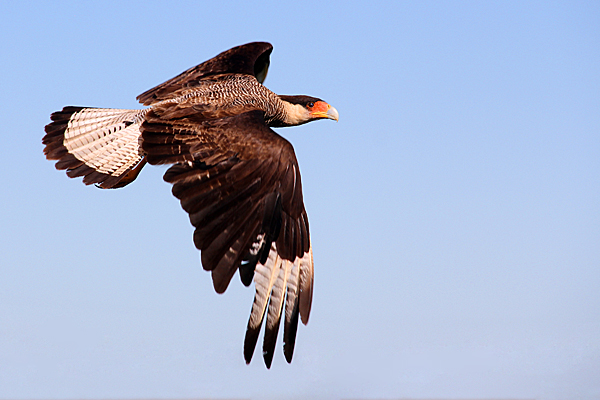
(302, 109)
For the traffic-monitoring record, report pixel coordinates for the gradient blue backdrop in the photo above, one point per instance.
(454, 209)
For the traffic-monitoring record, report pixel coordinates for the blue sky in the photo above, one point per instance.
(454, 209)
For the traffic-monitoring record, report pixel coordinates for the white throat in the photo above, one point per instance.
(295, 114)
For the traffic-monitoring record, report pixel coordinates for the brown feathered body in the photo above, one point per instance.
(237, 179)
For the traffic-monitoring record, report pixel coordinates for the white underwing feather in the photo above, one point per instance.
(306, 285)
(278, 281)
(264, 278)
(277, 294)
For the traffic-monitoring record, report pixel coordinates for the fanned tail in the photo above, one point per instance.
(100, 144)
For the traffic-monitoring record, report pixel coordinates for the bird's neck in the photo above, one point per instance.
(287, 114)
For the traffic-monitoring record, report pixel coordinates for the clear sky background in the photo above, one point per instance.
(454, 209)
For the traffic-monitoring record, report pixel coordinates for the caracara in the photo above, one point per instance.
(237, 179)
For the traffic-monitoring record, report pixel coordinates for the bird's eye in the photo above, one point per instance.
(311, 104)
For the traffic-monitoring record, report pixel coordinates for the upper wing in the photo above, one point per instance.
(250, 59)
(240, 183)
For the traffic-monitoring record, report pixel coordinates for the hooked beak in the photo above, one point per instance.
(333, 114)
(324, 110)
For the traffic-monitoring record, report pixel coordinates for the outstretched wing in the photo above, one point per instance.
(240, 183)
(249, 59)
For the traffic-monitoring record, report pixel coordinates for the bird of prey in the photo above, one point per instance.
(237, 179)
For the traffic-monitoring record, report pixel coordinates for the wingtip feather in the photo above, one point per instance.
(306, 285)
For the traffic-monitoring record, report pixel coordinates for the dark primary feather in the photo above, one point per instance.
(238, 180)
(290, 327)
(248, 178)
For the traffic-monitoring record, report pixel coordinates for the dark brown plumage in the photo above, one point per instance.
(237, 179)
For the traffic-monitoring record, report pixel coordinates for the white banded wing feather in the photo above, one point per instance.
(276, 281)
(274, 311)
(264, 278)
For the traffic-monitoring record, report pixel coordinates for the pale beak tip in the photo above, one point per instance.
(333, 114)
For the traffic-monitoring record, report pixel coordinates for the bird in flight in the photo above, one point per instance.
(237, 179)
